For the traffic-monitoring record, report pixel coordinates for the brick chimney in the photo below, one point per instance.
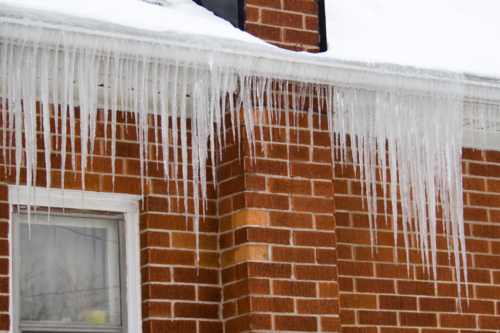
(291, 24)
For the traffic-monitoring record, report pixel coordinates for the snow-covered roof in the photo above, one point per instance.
(449, 35)
(453, 35)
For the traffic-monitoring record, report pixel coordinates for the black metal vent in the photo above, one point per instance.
(230, 10)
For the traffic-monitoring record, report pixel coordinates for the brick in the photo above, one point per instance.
(312, 23)
(196, 310)
(477, 245)
(484, 200)
(155, 239)
(325, 222)
(488, 292)
(358, 301)
(457, 320)
(291, 220)
(269, 270)
(416, 288)
(313, 205)
(324, 306)
(164, 222)
(265, 200)
(375, 286)
(438, 304)
(324, 189)
(486, 231)
(314, 238)
(248, 322)
(245, 253)
(168, 257)
(184, 240)
(293, 254)
(272, 304)
(328, 290)
(4, 285)
(377, 318)
(475, 214)
(4, 322)
(248, 217)
(155, 274)
(475, 306)
(246, 287)
(196, 275)
(209, 294)
(210, 327)
(418, 319)
(268, 167)
(253, 14)
(329, 324)
(311, 171)
(294, 288)
(378, 254)
(353, 236)
(314, 272)
(397, 302)
(302, 6)
(157, 309)
(289, 153)
(265, 3)
(296, 323)
(484, 170)
(353, 268)
(176, 326)
(327, 257)
(289, 186)
(262, 235)
(157, 291)
(489, 322)
(393, 271)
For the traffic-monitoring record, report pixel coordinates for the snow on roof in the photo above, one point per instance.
(445, 35)
(453, 35)
(183, 16)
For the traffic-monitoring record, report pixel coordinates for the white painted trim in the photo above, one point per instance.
(111, 202)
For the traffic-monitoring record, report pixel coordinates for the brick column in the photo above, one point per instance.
(277, 232)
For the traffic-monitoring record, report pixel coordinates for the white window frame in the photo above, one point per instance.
(126, 204)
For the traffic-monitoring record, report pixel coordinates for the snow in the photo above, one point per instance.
(183, 16)
(445, 35)
(453, 35)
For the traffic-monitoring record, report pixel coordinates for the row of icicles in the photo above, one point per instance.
(406, 141)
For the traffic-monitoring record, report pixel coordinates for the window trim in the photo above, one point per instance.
(126, 204)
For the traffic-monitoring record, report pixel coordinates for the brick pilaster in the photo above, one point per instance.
(277, 236)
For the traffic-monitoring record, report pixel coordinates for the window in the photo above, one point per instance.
(74, 269)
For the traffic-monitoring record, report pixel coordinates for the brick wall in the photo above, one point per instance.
(175, 298)
(378, 295)
(290, 24)
(270, 242)
(277, 232)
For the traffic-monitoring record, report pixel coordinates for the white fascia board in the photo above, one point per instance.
(87, 200)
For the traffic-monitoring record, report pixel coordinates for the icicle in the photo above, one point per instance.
(381, 117)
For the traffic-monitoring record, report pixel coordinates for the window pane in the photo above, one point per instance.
(69, 270)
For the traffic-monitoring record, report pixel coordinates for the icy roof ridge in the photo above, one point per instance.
(287, 65)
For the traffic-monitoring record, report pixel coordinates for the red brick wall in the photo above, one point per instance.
(270, 243)
(376, 293)
(175, 298)
(277, 232)
(290, 24)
